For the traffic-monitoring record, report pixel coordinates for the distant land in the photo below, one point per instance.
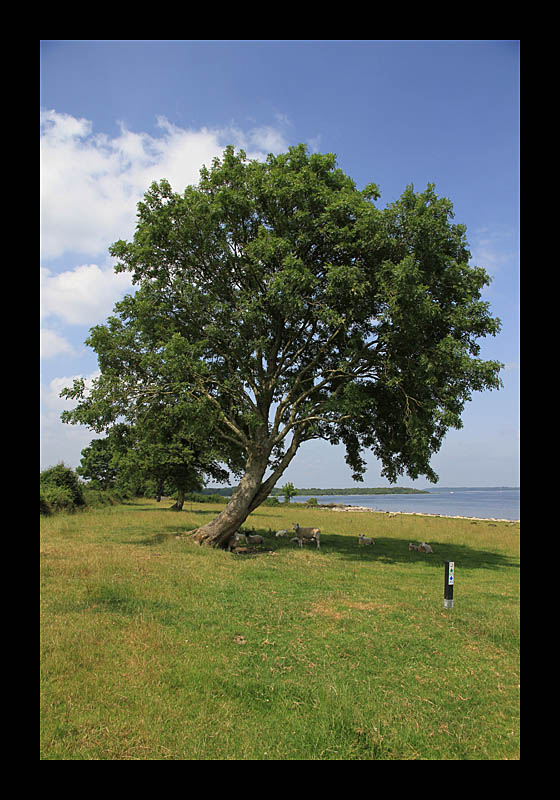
(383, 490)
(228, 491)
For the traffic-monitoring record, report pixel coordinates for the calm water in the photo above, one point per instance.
(496, 503)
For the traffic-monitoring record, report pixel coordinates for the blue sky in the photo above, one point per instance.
(116, 115)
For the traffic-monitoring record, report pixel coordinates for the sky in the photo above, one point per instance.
(119, 114)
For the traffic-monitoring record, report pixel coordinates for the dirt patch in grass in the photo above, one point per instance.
(331, 608)
(369, 606)
(323, 609)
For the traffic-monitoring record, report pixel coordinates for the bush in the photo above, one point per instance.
(195, 497)
(45, 507)
(100, 497)
(62, 477)
(312, 501)
(57, 498)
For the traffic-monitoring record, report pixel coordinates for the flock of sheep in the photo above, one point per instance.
(307, 534)
(310, 535)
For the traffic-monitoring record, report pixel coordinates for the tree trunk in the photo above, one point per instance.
(244, 500)
(248, 496)
(178, 505)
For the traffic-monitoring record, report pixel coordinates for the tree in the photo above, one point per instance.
(277, 304)
(289, 491)
(166, 455)
(161, 451)
(96, 465)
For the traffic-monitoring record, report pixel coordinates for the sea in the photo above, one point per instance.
(454, 501)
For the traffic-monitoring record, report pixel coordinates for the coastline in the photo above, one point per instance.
(354, 509)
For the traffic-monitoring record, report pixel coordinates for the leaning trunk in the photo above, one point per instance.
(248, 496)
(244, 500)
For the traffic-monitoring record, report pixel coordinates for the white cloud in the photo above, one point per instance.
(52, 344)
(267, 139)
(84, 295)
(91, 182)
(60, 441)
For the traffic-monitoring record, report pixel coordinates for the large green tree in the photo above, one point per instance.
(276, 303)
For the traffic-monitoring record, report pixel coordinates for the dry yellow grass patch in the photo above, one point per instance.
(330, 607)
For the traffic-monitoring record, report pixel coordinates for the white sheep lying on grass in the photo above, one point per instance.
(281, 533)
(422, 548)
(365, 539)
(236, 539)
(244, 538)
(313, 534)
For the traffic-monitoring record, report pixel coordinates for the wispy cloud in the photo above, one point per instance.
(494, 249)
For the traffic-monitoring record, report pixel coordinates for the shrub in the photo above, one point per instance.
(45, 507)
(96, 497)
(63, 477)
(58, 498)
(312, 501)
(99, 497)
(195, 497)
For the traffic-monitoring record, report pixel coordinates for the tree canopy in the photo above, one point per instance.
(275, 303)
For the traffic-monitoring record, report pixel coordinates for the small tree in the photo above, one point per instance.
(288, 491)
(96, 465)
(276, 304)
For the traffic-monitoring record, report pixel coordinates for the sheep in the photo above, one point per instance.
(254, 539)
(307, 533)
(281, 533)
(297, 539)
(236, 539)
(422, 548)
(365, 539)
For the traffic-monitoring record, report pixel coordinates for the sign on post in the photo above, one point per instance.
(448, 584)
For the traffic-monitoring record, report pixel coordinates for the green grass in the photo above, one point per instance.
(155, 648)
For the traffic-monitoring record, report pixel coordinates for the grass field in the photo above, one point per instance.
(155, 648)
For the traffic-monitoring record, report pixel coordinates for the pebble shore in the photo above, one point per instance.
(413, 513)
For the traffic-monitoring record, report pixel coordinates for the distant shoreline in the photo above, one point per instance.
(314, 492)
(227, 491)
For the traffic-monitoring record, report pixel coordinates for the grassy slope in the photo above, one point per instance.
(154, 648)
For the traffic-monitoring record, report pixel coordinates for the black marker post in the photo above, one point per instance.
(448, 584)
